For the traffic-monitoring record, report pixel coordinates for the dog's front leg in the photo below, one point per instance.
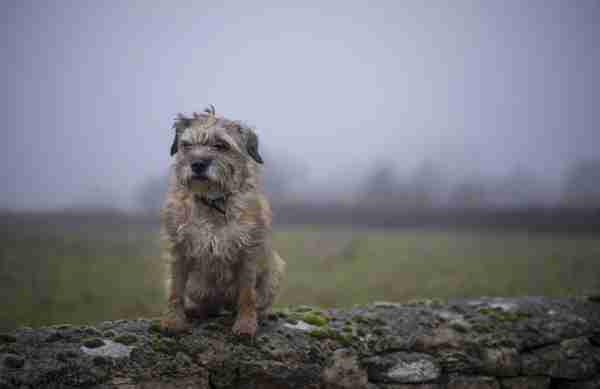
(175, 319)
(246, 321)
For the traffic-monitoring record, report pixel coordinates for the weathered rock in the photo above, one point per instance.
(485, 343)
(473, 383)
(411, 386)
(93, 343)
(12, 361)
(442, 338)
(108, 349)
(572, 359)
(344, 372)
(501, 362)
(126, 339)
(402, 367)
(525, 383)
(7, 338)
(589, 384)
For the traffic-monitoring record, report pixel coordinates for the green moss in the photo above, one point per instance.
(166, 345)
(92, 331)
(194, 345)
(345, 339)
(315, 318)
(481, 328)
(368, 321)
(126, 339)
(155, 326)
(109, 334)
(319, 333)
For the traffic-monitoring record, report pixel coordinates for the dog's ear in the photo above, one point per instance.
(252, 145)
(175, 145)
(181, 123)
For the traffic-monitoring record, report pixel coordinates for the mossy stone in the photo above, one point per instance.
(502, 315)
(304, 308)
(155, 327)
(166, 346)
(315, 319)
(92, 331)
(126, 339)
(93, 342)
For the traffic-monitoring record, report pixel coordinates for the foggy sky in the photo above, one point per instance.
(90, 88)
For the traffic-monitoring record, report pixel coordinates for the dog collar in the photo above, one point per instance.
(214, 201)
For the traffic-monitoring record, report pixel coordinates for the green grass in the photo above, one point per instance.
(69, 278)
(63, 275)
(342, 268)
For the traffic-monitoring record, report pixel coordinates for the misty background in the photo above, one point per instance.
(412, 149)
(466, 103)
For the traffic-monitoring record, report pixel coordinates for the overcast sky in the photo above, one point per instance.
(90, 88)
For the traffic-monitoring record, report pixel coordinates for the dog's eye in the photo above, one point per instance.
(221, 146)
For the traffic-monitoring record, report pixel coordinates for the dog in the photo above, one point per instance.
(216, 226)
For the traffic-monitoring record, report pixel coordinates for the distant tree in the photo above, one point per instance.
(519, 188)
(426, 186)
(471, 193)
(381, 182)
(422, 189)
(380, 187)
(582, 184)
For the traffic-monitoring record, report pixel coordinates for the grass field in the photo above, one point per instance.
(60, 274)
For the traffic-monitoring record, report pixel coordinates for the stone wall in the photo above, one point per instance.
(487, 343)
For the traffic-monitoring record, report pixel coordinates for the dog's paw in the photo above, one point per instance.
(245, 326)
(175, 325)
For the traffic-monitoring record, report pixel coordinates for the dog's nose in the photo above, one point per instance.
(199, 167)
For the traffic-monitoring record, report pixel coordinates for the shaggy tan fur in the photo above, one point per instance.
(217, 226)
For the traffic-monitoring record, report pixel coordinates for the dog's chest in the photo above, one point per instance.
(215, 250)
(219, 243)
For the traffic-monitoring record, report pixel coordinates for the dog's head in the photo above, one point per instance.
(214, 154)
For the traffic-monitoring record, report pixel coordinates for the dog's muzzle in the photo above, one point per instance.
(200, 169)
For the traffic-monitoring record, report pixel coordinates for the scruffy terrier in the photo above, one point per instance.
(217, 226)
